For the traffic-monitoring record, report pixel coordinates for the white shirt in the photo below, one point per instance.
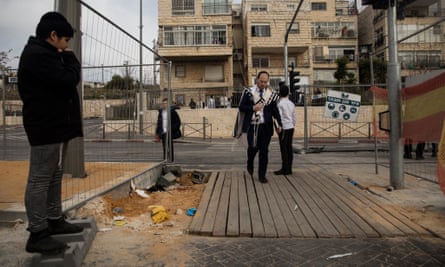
(287, 113)
(164, 121)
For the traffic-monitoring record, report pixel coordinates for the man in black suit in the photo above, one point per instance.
(260, 107)
(162, 127)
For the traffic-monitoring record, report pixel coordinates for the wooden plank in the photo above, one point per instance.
(285, 207)
(210, 217)
(362, 206)
(331, 210)
(287, 190)
(355, 212)
(245, 225)
(399, 221)
(220, 226)
(274, 206)
(359, 227)
(310, 209)
(198, 219)
(255, 215)
(266, 215)
(234, 205)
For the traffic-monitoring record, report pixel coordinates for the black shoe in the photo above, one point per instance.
(419, 157)
(407, 156)
(250, 171)
(434, 155)
(263, 180)
(279, 172)
(42, 242)
(287, 172)
(60, 226)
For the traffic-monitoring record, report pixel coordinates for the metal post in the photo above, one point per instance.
(395, 107)
(169, 124)
(371, 70)
(204, 121)
(3, 113)
(141, 109)
(75, 158)
(306, 91)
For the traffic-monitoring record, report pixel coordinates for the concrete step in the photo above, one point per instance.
(78, 246)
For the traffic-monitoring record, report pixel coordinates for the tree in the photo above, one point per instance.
(118, 82)
(379, 68)
(4, 59)
(342, 75)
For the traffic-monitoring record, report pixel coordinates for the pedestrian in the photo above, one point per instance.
(162, 127)
(420, 147)
(288, 119)
(47, 78)
(211, 102)
(260, 108)
(192, 104)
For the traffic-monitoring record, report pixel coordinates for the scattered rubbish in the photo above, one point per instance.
(105, 229)
(117, 210)
(179, 212)
(176, 233)
(119, 220)
(191, 211)
(166, 179)
(158, 213)
(296, 207)
(339, 256)
(141, 193)
(156, 188)
(197, 177)
(169, 224)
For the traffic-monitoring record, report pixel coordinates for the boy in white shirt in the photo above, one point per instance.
(288, 120)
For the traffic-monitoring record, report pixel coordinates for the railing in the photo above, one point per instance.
(339, 130)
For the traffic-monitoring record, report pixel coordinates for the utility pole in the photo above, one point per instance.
(395, 105)
(75, 160)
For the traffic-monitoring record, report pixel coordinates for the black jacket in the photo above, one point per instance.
(175, 124)
(270, 112)
(47, 81)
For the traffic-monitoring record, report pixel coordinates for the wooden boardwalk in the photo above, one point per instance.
(311, 203)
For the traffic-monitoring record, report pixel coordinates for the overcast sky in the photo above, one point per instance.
(18, 19)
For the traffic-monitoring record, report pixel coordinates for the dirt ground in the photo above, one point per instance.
(121, 222)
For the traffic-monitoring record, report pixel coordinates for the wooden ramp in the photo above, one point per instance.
(311, 203)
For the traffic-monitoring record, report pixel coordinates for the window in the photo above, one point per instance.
(180, 100)
(261, 30)
(214, 73)
(295, 28)
(183, 7)
(260, 62)
(258, 8)
(318, 6)
(194, 35)
(212, 7)
(180, 71)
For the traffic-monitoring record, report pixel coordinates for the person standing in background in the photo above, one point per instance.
(288, 119)
(162, 127)
(48, 75)
(260, 108)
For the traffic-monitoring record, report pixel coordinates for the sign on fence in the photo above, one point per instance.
(342, 105)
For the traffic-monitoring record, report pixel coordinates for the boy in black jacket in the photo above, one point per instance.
(47, 78)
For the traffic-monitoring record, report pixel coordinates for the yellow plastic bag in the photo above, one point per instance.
(158, 213)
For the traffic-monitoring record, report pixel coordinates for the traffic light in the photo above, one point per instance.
(377, 4)
(294, 85)
(294, 80)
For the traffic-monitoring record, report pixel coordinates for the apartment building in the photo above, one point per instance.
(216, 48)
(323, 31)
(420, 35)
(196, 36)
